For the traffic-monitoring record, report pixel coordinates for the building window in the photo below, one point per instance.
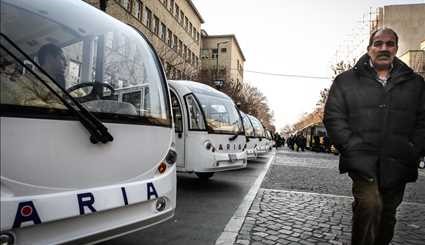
(214, 53)
(162, 31)
(148, 18)
(184, 52)
(175, 42)
(197, 36)
(172, 2)
(223, 50)
(186, 23)
(177, 12)
(155, 24)
(137, 9)
(180, 48)
(170, 38)
(205, 53)
(126, 4)
(181, 17)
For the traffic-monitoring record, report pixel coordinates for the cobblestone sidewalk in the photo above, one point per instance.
(287, 217)
(303, 200)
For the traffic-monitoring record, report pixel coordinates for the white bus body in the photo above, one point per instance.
(209, 134)
(77, 165)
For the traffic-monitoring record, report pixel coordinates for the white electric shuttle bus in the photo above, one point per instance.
(251, 140)
(77, 164)
(270, 142)
(209, 133)
(260, 134)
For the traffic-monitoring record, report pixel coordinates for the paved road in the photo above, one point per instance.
(203, 208)
(304, 200)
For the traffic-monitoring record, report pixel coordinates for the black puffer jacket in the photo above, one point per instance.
(380, 131)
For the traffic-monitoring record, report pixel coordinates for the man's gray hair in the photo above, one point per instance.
(386, 30)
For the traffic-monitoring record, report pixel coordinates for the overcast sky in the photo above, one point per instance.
(288, 37)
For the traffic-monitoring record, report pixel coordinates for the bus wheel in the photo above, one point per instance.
(204, 175)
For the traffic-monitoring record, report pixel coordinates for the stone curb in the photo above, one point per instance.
(231, 231)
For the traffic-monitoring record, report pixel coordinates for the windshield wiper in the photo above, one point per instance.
(235, 136)
(98, 131)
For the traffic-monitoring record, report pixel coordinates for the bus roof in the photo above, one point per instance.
(184, 87)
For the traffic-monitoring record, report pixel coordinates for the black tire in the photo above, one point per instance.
(204, 175)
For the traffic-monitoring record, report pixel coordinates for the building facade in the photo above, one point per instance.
(172, 26)
(221, 58)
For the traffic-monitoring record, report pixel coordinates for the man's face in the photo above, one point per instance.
(383, 50)
(56, 64)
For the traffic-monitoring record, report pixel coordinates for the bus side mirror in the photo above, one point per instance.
(179, 134)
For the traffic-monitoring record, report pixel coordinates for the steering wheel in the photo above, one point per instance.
(95, 94)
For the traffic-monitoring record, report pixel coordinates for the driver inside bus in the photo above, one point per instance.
(52, 60)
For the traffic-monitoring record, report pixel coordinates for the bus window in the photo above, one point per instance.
(221, 114)
(259, 130)
(196, 120)
(249, 130)
(177, 113)
(22, 88)
(92, 62)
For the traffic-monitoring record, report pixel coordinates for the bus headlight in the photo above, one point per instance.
(171, 157)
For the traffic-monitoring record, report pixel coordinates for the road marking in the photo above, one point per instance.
(231, 231)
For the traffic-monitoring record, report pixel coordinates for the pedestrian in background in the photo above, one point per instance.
(375, 116)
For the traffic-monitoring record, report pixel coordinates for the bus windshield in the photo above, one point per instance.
(103, 63)
(221, 114)
(259, 130)
(249, 130)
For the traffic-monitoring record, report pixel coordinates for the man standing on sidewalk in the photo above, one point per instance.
(375, 116)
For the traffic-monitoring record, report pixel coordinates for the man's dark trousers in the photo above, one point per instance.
(374, 211)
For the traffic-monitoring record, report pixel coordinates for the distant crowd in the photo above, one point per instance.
(298, 142)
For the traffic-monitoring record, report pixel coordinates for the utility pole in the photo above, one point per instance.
(218, 51)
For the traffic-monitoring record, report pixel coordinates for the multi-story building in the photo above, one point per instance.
(222, 58)
(172, 26)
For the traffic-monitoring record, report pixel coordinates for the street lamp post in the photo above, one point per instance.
(216, 67)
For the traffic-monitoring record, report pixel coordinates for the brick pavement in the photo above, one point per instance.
(304, 200)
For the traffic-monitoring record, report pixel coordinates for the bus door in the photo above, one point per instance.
(179, 129)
